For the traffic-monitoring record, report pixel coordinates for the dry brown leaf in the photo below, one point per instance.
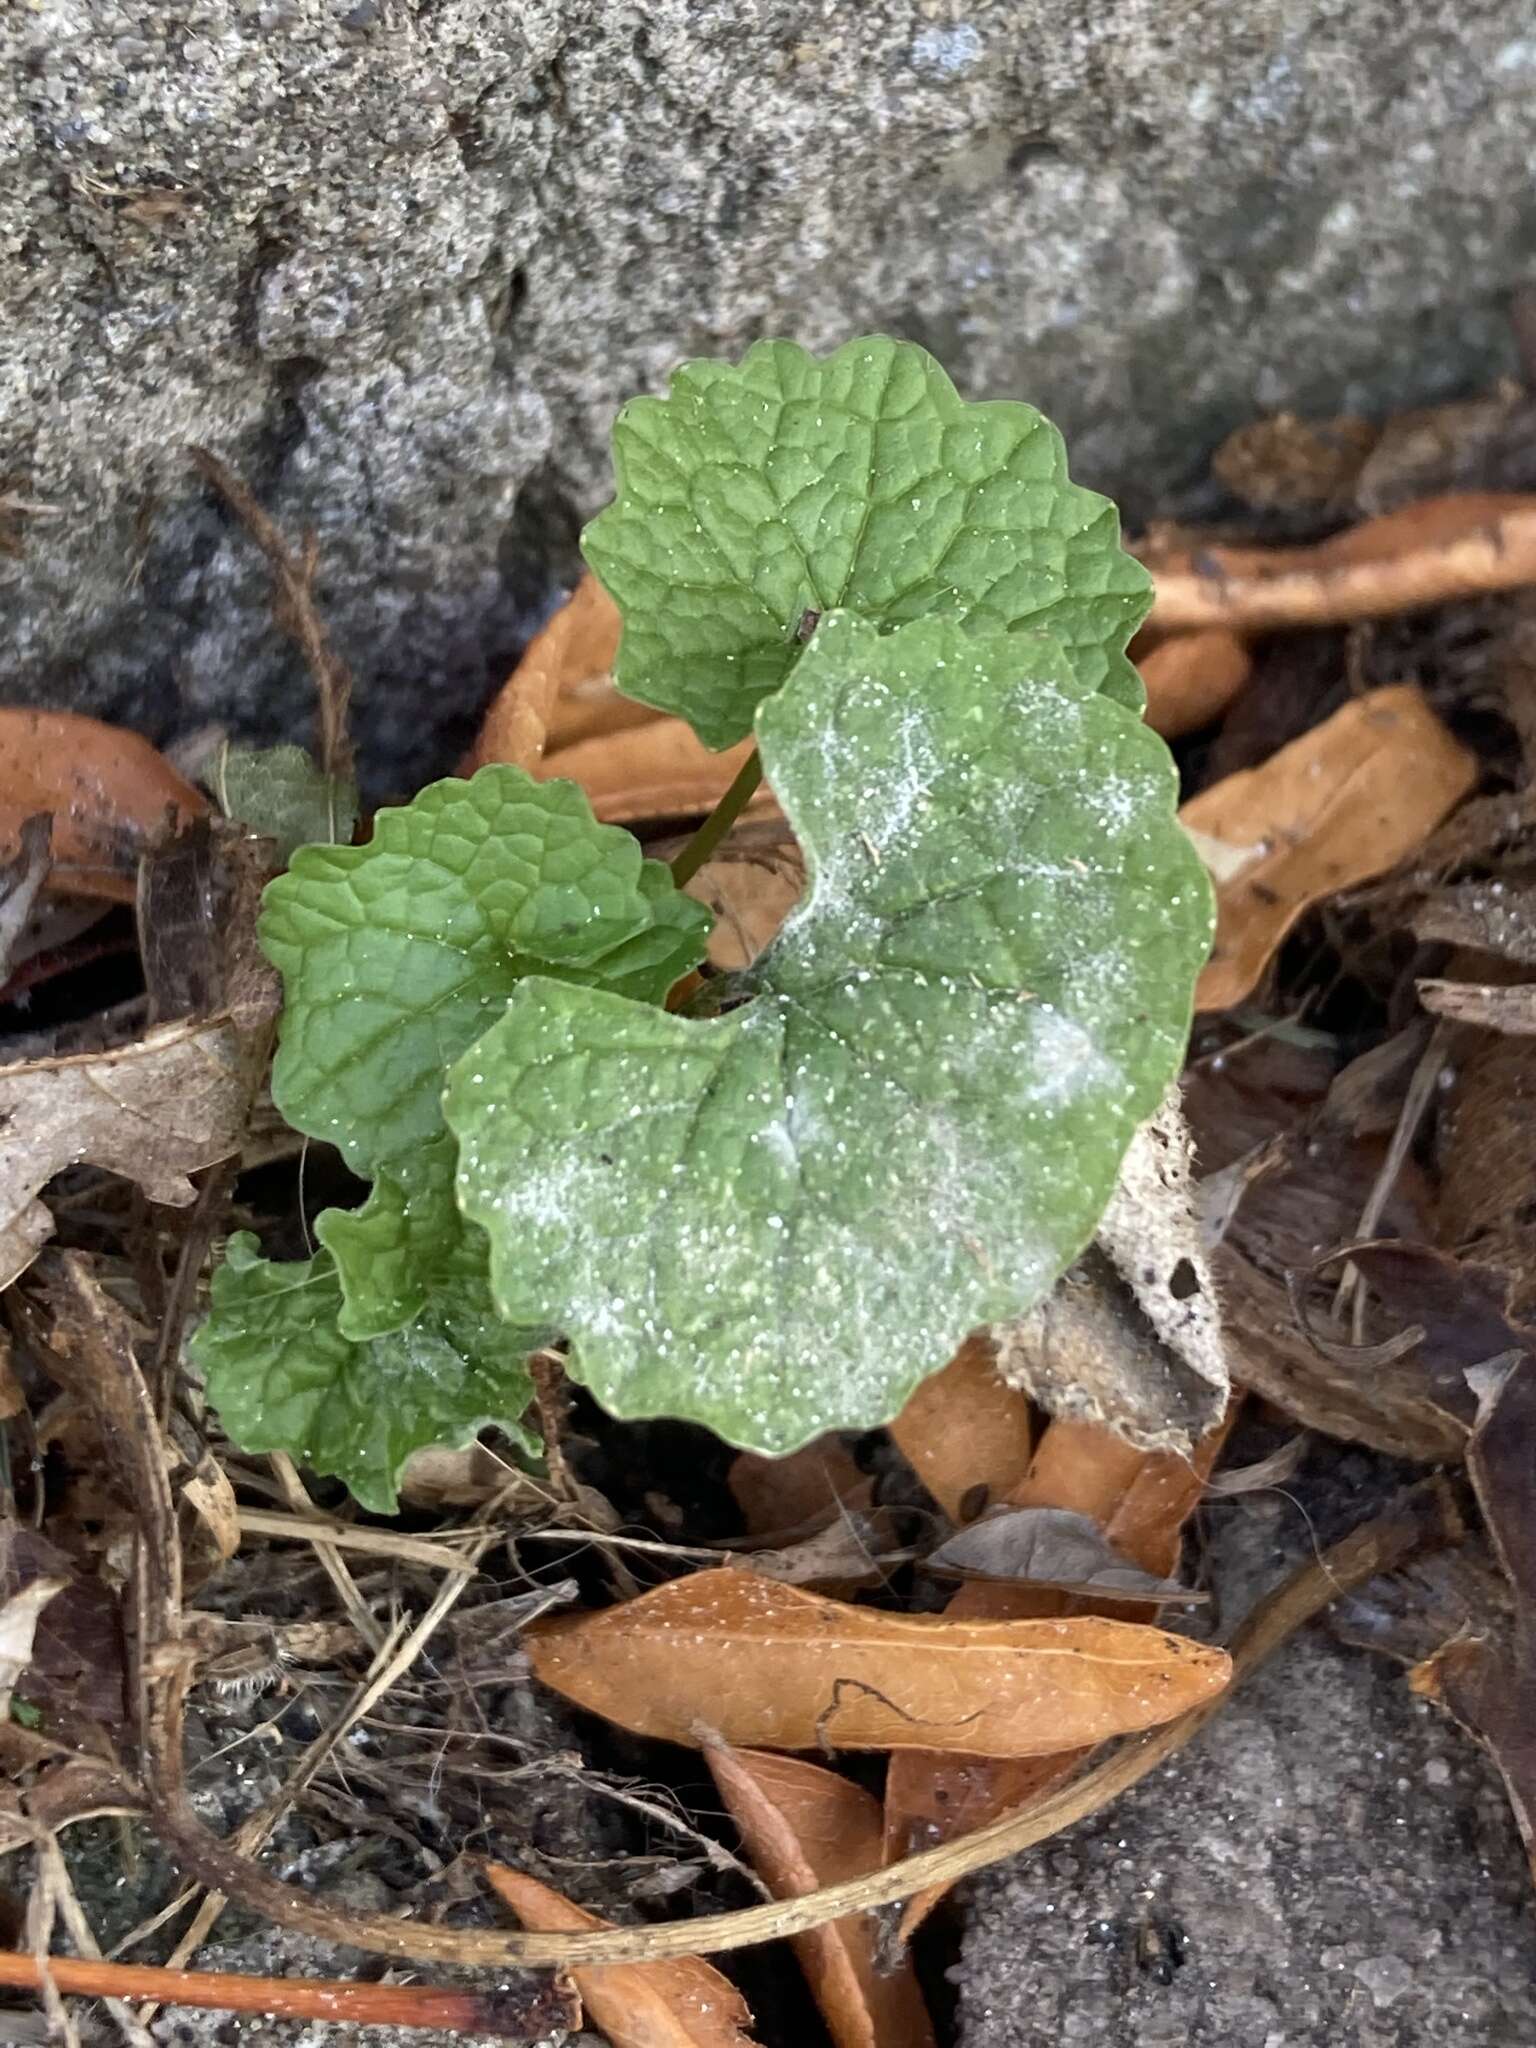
(155, 1111)
(18, 1625)
(1191, 678)
(1286, 464)
(109, 793)
(679, 2002)
(1424, 554)
(774, 1667)
(1315, 1195)
(802, 1491)
(1053, 1548)
(562, 689)
(657, 770)
(1141, 1500)
(751, 887)
(1346, 801)
(804, 1827)
(966, 1434)
(852, 1551)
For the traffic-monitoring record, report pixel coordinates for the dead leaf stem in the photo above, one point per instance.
(295, 611)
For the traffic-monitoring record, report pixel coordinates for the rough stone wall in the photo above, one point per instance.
(399, 260)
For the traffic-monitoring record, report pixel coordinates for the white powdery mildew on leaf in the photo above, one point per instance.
(777, 1220)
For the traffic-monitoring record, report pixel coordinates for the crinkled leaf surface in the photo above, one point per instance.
(397, 954)
(759, 491)
(394, 955)
(284, 1378)
(778, 1219)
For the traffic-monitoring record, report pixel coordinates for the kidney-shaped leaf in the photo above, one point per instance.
(284, 1376)
(395, 955)
(768, 1666)
(913, 1124)
(760, 491)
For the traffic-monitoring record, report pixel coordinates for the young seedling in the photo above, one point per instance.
(778, 1210)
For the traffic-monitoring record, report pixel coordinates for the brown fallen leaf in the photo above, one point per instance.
(1313, 1195)
(18, 1625)
(1421, 555)
(804, 1827)
(800, 1492)
(1346, 801)
(576, 648)
(155, 1111)
(1496, 917)
(774, 1667)
(1510, 1009)
(108, 791)
(852, 1551)
(1470, 444)
(751, 885)
(966, 1434)
(680, 2002)
(1051, 1548)
(656, 770)
(1286, 464)
(1191, 678)
(1140, 1501)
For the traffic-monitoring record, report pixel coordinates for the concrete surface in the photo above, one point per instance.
(1331, 1865)
(398, 260)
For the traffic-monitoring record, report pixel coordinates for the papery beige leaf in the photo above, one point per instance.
(154, 1111)
(768, 1666)
(18, 1625)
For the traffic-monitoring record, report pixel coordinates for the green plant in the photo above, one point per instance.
(777, 1210)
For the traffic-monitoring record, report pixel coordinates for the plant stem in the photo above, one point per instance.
(720, 820)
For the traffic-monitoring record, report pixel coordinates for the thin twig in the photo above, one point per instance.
(436, 1554)
(295, 612)
(335, 1565)
(1416, 1099)
(1425, 1517)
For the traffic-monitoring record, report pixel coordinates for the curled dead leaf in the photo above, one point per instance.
(804, 1827)
(1191, 678)
(678, 2002)
(1140, 1502)
(1422, 554)
(655, 770)
(18, 1625)
(1346, 801)
(154, 1111)
(966, 1433)
(108, 791)
(773, 1667)
(1054, 1548)
(1495, 1006)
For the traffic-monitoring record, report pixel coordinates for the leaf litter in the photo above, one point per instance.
(1277, 1105)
